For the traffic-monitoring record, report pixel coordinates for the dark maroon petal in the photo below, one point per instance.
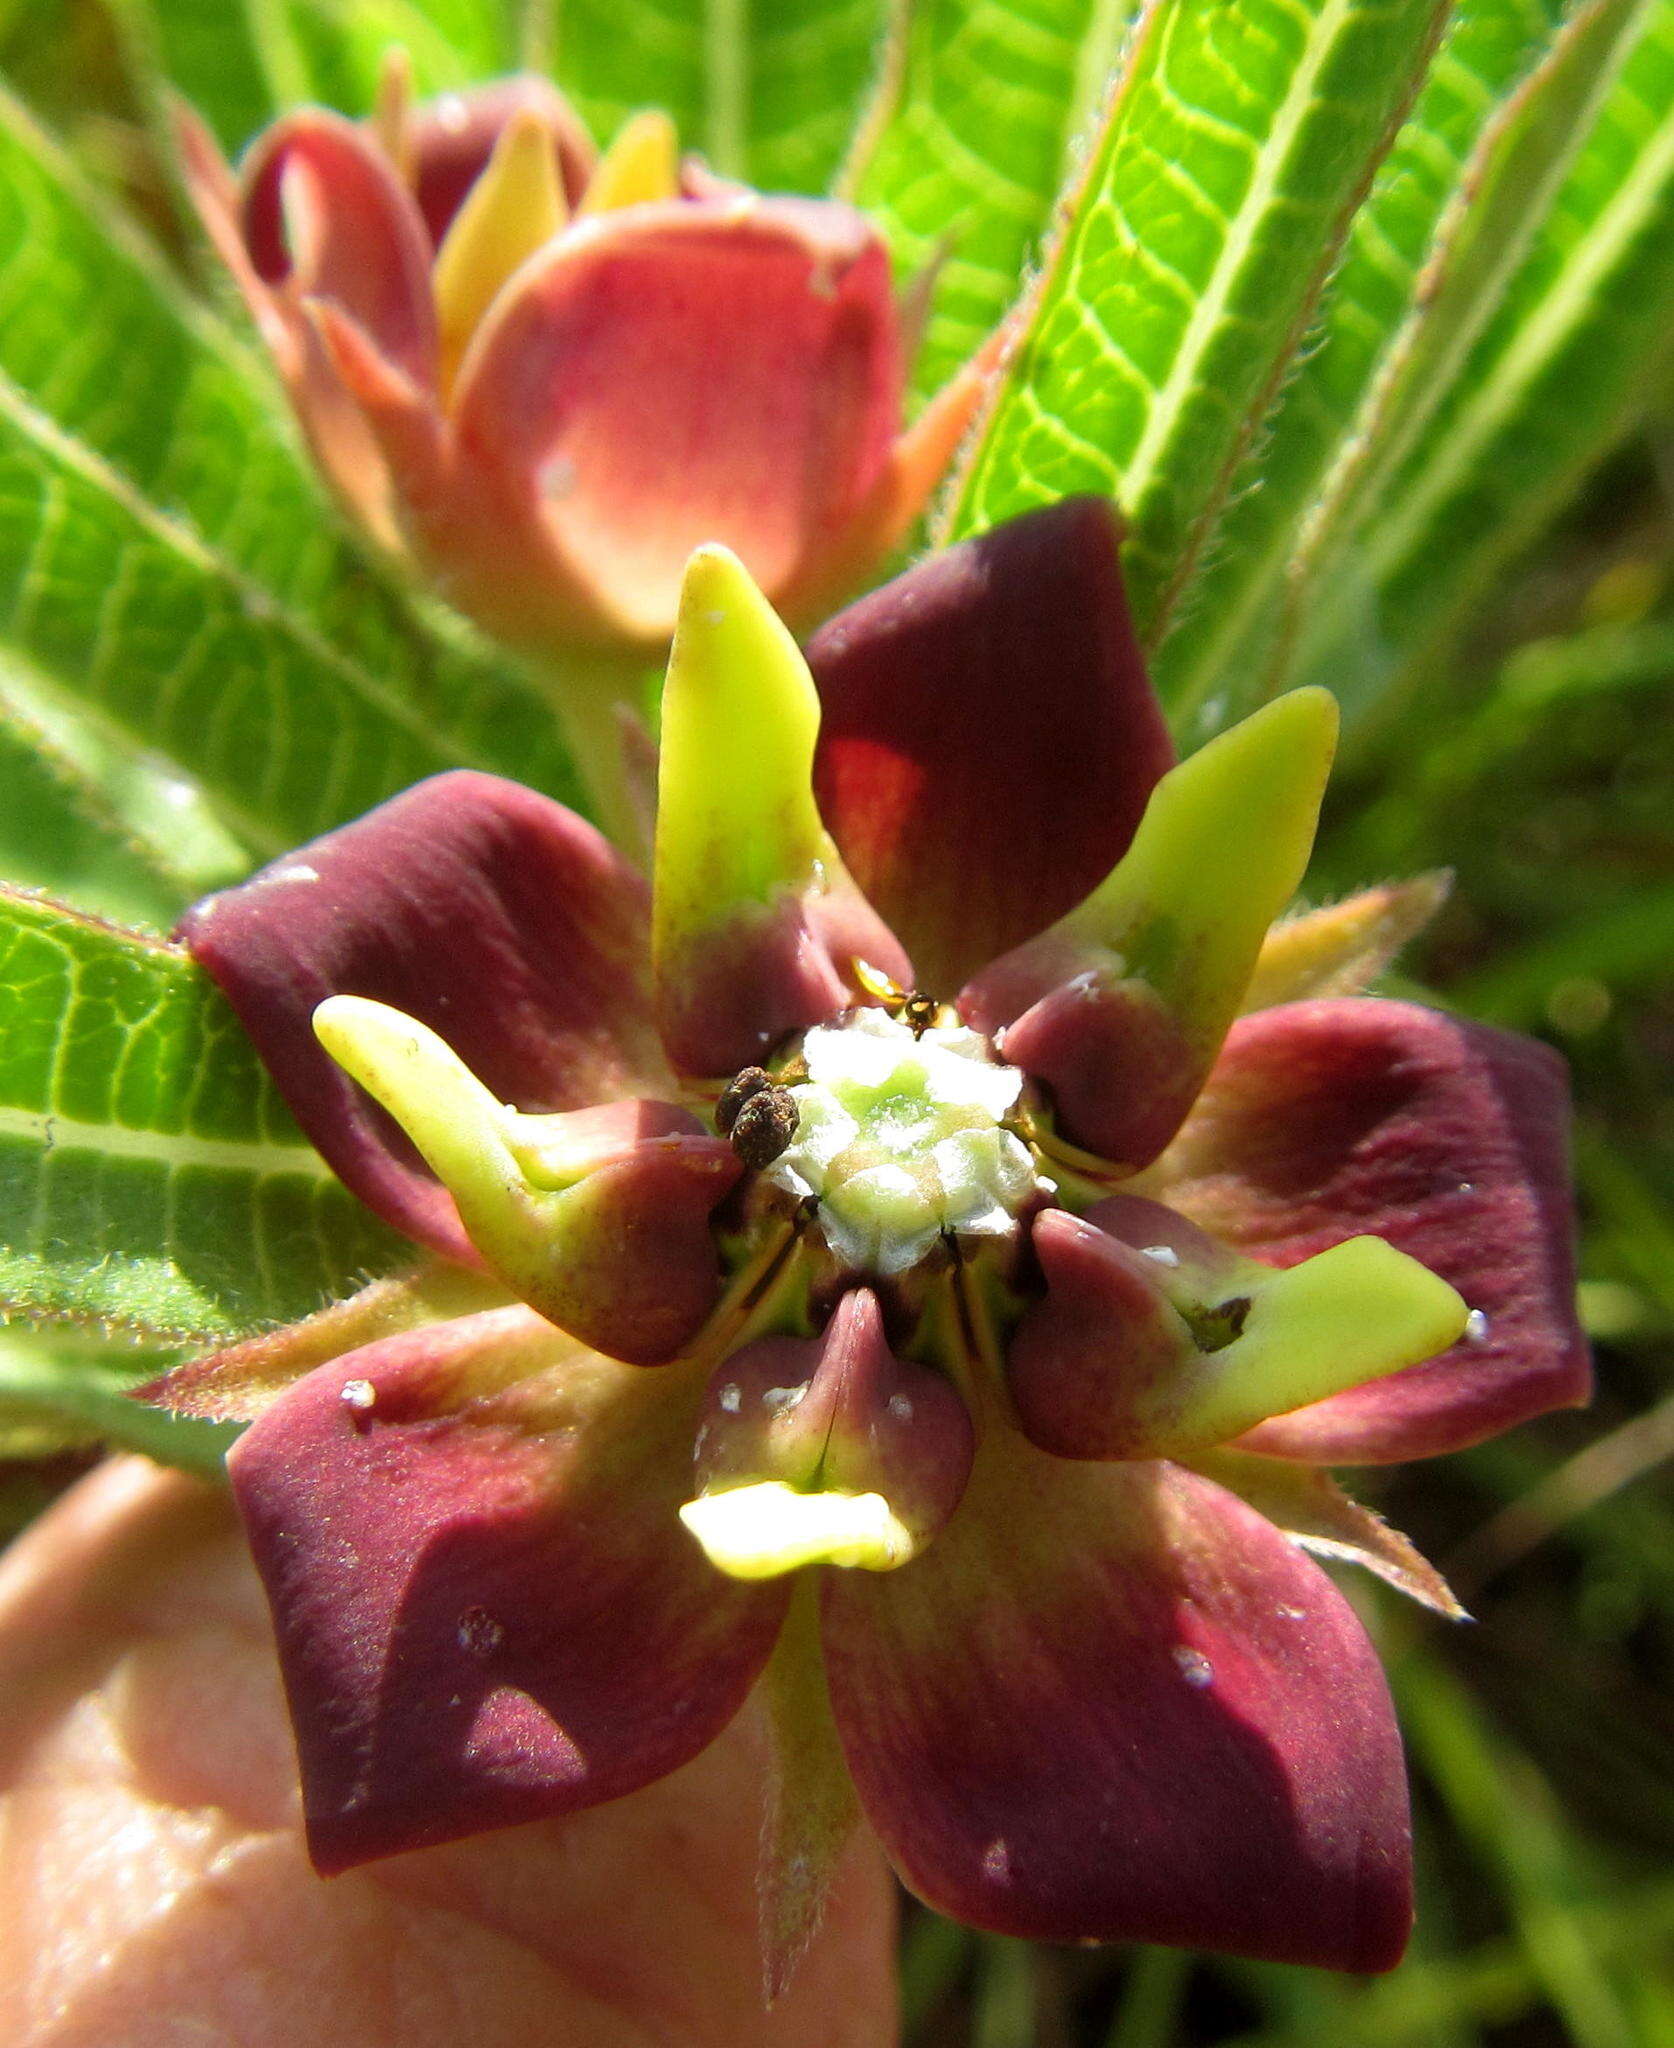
(498, 918)
(325, 216)
(453, 137)
(989, 737)
(1325, 1120)
(487, 1609)
(1111, 1702)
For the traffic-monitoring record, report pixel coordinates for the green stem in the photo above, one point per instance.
(595, 698)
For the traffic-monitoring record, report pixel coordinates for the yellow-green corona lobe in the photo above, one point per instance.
(766, 1530)
(736, 820)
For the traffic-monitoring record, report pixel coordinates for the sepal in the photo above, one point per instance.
(244, 1380)
(1341, 949)
(1310, 1508)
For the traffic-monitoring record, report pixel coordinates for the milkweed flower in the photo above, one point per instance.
(950, 1344)
(546, 378)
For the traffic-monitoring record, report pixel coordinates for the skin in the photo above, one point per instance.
(158, 1894)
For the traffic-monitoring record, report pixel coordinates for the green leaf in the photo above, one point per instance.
(1238, 144)
(969, 144)
(767, 90)
(1571, 362)
(242, 61)
(59, 830)
(285, 734)
(104, 827)
(150, 1177)
(1383, 316)
(810, 63)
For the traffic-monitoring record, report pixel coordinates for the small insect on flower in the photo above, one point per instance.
(943, 1327)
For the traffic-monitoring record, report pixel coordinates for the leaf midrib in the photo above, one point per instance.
(257, 1159)
(1209, 312)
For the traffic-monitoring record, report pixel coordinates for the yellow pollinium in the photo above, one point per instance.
(765, 1530)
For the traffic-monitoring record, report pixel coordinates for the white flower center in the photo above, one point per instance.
(900, 1139)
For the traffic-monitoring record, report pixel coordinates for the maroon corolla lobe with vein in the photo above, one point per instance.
(497, 917)
(989, 738)
(1085, 1696)
(486, 1607)
(1114, 1694)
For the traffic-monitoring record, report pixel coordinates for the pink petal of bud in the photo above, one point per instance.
(669, 375)
(325, 216)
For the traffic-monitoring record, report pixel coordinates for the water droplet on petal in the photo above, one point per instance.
(1194, 1667)
(900, 1407)
(1293, 1613)
(732, 1397)
(1476, 1327)
(1164, 1254)
(996, 1862)
(360, 1395)
(480, 1635)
